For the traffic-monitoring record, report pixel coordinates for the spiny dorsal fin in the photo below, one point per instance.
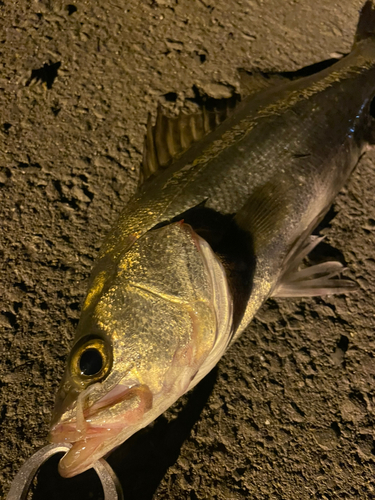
(170, 137)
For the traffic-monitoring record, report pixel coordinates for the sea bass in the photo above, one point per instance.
(221, 222)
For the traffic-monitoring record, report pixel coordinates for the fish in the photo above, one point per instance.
(222, 220)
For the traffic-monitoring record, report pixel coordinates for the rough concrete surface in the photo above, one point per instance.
(289, 412)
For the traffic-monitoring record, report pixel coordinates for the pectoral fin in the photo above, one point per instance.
(264, 212)
(312, 281)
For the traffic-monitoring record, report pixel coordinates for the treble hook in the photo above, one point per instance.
(21, 483)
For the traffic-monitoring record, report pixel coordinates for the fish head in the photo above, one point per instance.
(150, 322)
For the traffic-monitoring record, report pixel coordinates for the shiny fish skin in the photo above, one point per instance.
(204, 243)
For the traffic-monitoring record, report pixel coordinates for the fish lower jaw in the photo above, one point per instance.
(86, 446)
(81, 457)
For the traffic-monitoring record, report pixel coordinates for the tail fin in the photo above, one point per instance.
(366, 23)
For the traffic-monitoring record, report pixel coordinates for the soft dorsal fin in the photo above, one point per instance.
(170, 137)
(255, 81)
(252, 82)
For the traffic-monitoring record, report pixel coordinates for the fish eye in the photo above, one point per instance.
(91, 360)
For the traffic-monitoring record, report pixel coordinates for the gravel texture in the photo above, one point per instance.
(289, 412)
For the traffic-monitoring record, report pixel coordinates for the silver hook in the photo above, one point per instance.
(21, 483)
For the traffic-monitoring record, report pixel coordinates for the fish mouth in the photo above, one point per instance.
(94, 431)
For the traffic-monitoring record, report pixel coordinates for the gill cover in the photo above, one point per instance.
(152, 329)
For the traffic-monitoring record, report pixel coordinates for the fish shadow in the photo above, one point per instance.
(324, 252)
(140, 463)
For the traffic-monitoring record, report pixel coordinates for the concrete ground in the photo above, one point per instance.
(289, 412)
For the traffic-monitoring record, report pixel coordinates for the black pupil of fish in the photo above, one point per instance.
(91, 362)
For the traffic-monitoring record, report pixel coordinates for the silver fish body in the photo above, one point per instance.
(205, 242)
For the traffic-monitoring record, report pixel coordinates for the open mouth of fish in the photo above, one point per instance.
(93, 428)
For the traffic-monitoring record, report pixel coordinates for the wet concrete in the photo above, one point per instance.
(289, 412)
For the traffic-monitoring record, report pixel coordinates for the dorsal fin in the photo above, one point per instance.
(252, 82)
(170, 137)
(255, 81)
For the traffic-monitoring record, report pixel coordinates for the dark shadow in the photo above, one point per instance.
(71, 9)
(310, 70)
(212, 103)
(170, 96)
(326, 221)
(140, 463)
(46, 74)
(325, 253)
(50, 485)
(6, 126)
